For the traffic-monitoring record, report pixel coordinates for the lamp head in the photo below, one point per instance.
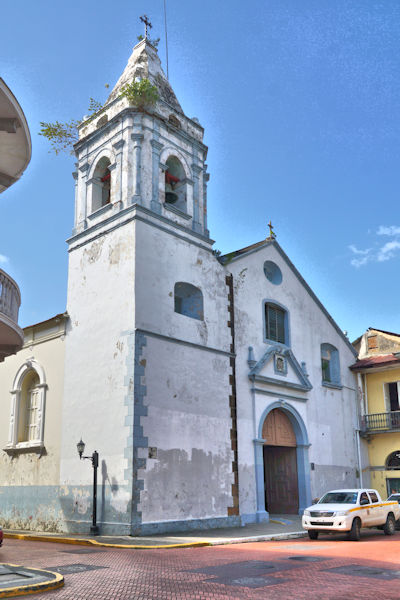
(81, 447)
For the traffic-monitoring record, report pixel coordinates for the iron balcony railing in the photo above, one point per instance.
(386, 421)
(10, 298)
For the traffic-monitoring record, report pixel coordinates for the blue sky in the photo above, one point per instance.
(300, 103)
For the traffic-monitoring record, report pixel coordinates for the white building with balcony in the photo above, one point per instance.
(15, 154)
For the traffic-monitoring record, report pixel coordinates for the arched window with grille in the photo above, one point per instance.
(393, 461)
(27, 407)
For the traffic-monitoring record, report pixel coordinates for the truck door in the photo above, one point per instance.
(365, 509)
(376, 511)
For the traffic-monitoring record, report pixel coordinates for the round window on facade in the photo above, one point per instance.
(272, 272)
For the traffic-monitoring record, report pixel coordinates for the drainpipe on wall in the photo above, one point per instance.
(365, 394)
(359, 458)
(362, 396)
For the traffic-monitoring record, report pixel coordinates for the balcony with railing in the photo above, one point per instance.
(11, 336)
(381, 422)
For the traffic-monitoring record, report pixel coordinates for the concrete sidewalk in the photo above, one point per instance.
(16, 580)
(280, 527)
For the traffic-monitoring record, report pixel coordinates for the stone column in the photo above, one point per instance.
(75, 176)
(116, 183)
(261, 514)
(155, 194)
(13, 429)
(137, 139)
(82, 208)
(196, 226)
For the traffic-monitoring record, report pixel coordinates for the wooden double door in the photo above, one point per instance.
(280, 465)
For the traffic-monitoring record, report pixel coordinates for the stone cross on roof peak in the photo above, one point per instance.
(145, 20)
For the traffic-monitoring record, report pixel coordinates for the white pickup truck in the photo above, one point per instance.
(349, 510)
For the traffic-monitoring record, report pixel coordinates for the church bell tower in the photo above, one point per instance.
(147, 300)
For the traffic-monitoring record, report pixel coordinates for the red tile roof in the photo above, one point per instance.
(376, 361)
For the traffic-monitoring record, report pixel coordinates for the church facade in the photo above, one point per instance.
(215, 389)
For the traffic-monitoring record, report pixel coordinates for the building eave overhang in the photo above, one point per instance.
(15, 138)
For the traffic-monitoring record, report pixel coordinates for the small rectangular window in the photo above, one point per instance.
(275, 323)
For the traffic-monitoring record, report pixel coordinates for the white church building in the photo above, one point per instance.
(216, 389)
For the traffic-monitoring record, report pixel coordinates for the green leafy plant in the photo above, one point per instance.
(62, 136)
(152, 42)
(141, 94)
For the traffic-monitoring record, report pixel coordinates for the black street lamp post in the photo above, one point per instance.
(94, 529)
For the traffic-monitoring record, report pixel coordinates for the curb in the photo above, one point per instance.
(88, 542)
(219, 542)
(34, 588)
(274, 537)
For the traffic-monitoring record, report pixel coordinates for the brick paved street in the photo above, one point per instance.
(299, 569)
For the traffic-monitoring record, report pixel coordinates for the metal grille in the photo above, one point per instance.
(316, 513)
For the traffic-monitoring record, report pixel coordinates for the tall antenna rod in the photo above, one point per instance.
(166, 35)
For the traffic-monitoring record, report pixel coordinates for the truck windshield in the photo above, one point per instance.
(339, 498)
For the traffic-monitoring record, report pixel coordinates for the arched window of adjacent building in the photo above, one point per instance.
(175, 184)
(27, 407)
(393, 461)
(101, 191)
(330, 364)
(276, 323)
(188, 300)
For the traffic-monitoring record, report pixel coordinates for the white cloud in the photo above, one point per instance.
(379, 253)
(362, 252)
(3, 259)
(387, 251)
(359, 262)
(391, 230)
(362, 256)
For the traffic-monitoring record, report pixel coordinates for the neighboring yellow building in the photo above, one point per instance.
(378, 372)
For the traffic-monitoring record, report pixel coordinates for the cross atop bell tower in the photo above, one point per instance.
(147, 24)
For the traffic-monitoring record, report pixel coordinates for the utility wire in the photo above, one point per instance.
(166, 35)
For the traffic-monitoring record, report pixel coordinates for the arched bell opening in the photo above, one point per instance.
(175, 184)
(101, 194)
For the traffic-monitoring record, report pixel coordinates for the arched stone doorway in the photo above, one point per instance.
(280, 464)
(301, 448)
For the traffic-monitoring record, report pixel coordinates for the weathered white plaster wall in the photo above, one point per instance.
(186, 378)
(189, 423)
(101, 304)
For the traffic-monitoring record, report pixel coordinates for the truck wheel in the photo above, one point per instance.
(390, 525)
(312, 534)
(354, 533)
